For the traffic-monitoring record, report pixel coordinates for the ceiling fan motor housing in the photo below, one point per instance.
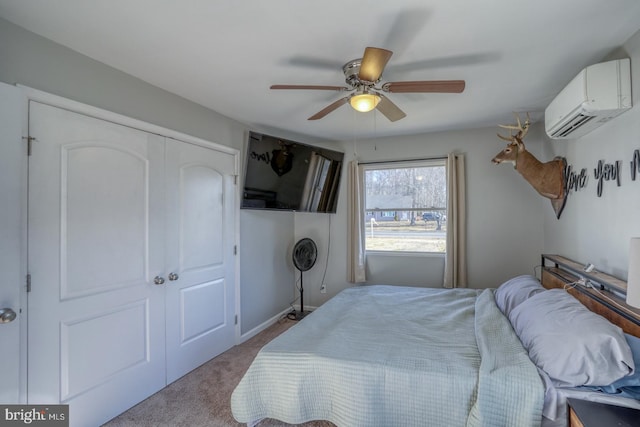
(351, 70)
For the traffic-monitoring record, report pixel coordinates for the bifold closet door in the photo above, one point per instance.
(96, 243)
(200, 205)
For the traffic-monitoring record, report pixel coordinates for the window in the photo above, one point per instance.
(405, 206)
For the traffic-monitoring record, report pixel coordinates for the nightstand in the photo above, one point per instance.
(583, 413)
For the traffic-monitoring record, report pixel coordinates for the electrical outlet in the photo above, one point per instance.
(323, 289)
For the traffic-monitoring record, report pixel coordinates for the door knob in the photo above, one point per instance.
(158, 280)
(7, 315)
(173, 276)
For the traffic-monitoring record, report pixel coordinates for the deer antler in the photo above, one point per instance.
(509, 139)
(522, 129)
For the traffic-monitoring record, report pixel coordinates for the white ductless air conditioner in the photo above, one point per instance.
(597, 94)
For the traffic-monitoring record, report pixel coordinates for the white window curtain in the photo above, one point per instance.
(455, 270)
(356, 253)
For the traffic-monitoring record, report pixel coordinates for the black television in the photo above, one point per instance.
(287, 175)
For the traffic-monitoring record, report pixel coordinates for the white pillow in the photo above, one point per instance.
(515, 291)
(573, 345)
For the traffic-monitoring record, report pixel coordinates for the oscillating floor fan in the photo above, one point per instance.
(305, 253)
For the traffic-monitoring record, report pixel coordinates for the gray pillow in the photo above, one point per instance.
(573, 345)
(515, 291)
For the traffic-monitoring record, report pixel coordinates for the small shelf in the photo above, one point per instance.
(609, 282)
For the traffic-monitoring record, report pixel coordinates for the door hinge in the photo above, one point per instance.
(235, 249)
(236, 319)
(29, 140)
(28, 283)
(235, 179)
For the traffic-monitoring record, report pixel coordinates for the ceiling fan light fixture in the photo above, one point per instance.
(364, 102)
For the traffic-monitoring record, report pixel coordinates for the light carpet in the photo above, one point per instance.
(203, 396)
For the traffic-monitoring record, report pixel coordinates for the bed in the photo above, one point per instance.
(390, 355)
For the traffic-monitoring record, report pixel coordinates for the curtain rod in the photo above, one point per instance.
(404, 160)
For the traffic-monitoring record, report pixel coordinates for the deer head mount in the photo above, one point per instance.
(282, 159)
(547, 178)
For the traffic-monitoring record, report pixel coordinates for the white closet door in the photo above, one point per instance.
(201, 206)
(96, 242)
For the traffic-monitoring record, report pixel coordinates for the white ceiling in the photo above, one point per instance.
(224, 54)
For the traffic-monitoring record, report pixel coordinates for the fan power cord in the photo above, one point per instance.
(291, 315)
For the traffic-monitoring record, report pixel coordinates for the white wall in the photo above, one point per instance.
(266, 267)
(505, 216)
(597, 229)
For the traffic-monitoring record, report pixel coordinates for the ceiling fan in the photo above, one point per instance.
(363, 74)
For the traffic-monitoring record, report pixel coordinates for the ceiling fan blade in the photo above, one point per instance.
(373, 63)
(390, 110)
(310, 87)
(405, 27)
(448, 61)
(440, 86)
(326, 110)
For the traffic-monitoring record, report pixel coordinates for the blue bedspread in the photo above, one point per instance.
(396, 356)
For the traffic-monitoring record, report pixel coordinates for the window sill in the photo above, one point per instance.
(406, 254)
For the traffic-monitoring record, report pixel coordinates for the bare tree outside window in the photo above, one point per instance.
(405, 206)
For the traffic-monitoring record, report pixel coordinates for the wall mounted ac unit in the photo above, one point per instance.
(597, 94)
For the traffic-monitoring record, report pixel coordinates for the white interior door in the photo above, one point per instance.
(201, 206)
(96, 242)
(12, 160)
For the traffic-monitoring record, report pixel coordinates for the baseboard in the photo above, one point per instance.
(306, 307)
(264, 325)
(261, 327)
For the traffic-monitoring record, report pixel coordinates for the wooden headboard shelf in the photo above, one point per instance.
(601, 301)
(606, 280)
